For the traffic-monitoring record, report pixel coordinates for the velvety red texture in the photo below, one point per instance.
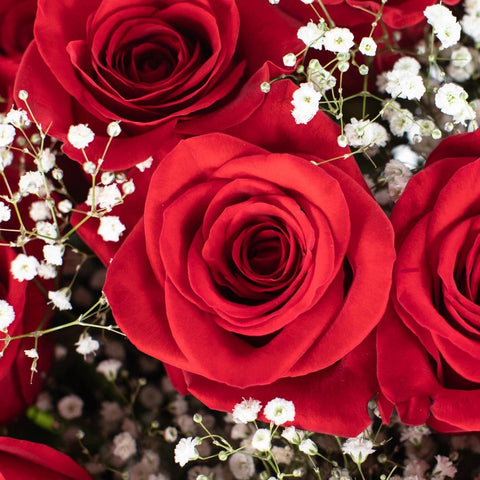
(17, 391)
(16, 32)
(23, 460)
(429, 341)
(156, 65)
(251, 272)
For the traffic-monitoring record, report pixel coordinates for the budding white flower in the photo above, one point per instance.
(114, 129)
(368, 46)
(289, 60)
(109, 368)
(312, 34)
(86, 345)
(60, 299)
(292, 435)
(308, 447)
(128, 187)
(89, 168)
(65, 206)
(7, 315)
(31, 353)
(185, 451)
(322, 79)
(246, 411)
(24, 267)
(6, 158)
(358, 448)
(31, 182)
(5, 212)
(7, 134)
(108, 177)
(451, 99)
(305, 103)
(111, 228)
(23, 95)
(338, 40)
(70, 407)
(279, 411)
(142, 166)
(363, 133)
(261, 440)
(80, 135)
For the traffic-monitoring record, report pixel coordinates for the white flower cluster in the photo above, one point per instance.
(471, 20)
(278, 411)
(444, 24)
(451, 99)
(363, 133)
(404, 80)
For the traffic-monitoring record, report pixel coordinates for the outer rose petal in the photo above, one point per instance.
(24, 460)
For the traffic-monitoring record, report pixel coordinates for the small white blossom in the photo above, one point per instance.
(7, 134)
(70, 407)
(24, 267)
(292, 435)
(111, 228)
(109, 196)
(471, 26)
(368, 46)
(308, 447)
(46, 271)
(401, 122)
(403, 84)
(404, 154)
(312, 34)
(407, 65)
(31, 353)
(142, 166)
(5, 212)
(340, 474)
(451, 99)
(358, 448)
(114, 129)
(6, 158)
(47, 231)
(128, 187)
(338, 40)
(397, 175)
(46, 160)
(89, 168)
(261, 440)
(414, 434)
(322, 79)
(443, 468)
(60, 299)
(279, 411)
(246, 411)
(65, 206)
(30, 182)
(305, 103)
(109, 368)
(39, 211)
(124, 446)
(80, 135)
(86, 345)
(18, 118)
(53, 254)
(241, 466)
(283, 455)
(7, 315)
(185, 451)
(363, 133)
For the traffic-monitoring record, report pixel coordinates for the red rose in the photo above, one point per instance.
(251, 273)
(16, 32)
(22, 460)
(158, 66)
(429, 341)
(30, 310)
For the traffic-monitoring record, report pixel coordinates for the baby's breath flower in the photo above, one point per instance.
(358, 448)
(279, 411)
(7, 134)
(18, 118)
(185, 451)
(30, 182)
(241, 466)
(89, 168)
(451, 99)
(46, 271)
(292, 435)
(53, 254)
(5, 212)
(368, 46)
(86, 345)
(6, 158)
(289, 60)
(261, 440)
(109, 196)
(308, 447)
(170, 434)
(47, 231)
(46, 160)
(322, 79)
(443, 468)
(60, 299)
(142, 166)
(109, 368)
(24, 267)
(128, 187)
(403, 84)
(445, 25)
(65, 206)
(246, 411)
(114, 129)
(80, 135)
(312, 34)
(404, 154)
(111, 228)
(70, 407)
(363, 133)
(7, 315)
(305, 103)
(124, 446)
(31, 353)
(39, 211)
(338, 40)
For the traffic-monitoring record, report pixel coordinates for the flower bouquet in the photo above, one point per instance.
(238, 239)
